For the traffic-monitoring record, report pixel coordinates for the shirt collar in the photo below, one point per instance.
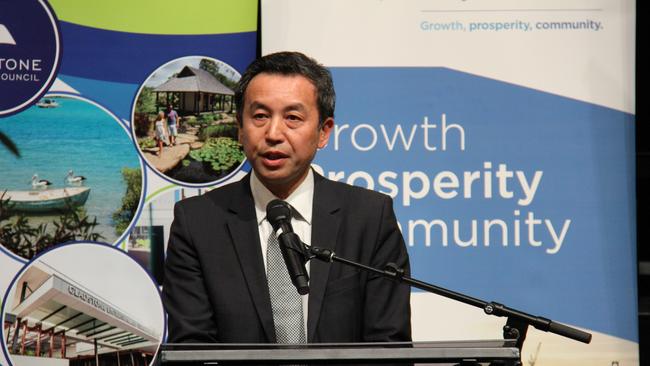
(301, 199)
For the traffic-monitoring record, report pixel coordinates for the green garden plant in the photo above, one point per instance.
(221, 154)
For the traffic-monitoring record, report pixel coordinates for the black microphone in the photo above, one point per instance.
(278, 213)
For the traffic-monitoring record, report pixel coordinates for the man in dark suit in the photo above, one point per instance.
(216, 285)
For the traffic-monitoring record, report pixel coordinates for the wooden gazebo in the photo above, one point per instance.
(197, 91)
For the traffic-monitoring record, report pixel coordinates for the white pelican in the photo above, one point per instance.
(71, 178)
(40, 183)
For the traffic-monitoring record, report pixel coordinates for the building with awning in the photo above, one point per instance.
(52, 316)
(196, 90)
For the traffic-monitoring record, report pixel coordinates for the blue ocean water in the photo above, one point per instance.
(79, 136)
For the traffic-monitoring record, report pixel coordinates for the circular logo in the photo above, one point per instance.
(29, 53)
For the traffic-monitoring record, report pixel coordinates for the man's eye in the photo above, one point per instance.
(293, 117)
(260, 116)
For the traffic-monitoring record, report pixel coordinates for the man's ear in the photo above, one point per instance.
(325, 132)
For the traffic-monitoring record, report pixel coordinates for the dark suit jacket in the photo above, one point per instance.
(215, 286)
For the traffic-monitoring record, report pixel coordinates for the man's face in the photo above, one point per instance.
(280, 131)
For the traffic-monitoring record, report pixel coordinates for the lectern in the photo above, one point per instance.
(486, 352)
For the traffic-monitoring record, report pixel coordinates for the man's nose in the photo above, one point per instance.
(275, 130)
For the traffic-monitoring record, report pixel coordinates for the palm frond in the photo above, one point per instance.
(6, 141)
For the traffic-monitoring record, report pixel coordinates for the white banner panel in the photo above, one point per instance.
(578, 49)
(504, 131)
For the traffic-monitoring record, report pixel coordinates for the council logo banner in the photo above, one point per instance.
(30, 52)
(110, 113)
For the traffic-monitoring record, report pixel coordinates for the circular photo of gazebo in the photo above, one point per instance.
(184, 121)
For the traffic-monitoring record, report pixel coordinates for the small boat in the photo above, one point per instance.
(49, 200)
(47, 103)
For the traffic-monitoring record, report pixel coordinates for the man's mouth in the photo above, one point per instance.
(274, 158)
(274, 155)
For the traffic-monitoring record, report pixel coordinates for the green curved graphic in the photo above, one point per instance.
(161, 16)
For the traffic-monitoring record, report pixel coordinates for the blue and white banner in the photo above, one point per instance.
(505, 134)
(87, 186)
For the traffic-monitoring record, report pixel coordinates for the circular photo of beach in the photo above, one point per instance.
(69, 173)
(81, 304)
(184, 121)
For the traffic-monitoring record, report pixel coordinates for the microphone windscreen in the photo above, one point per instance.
(278, 211)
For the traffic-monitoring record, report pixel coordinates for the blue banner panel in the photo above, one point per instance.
(130, 57)
(503, 192)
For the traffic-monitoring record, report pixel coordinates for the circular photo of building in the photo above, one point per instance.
(184, 121)
(82, 304)
(71, 173)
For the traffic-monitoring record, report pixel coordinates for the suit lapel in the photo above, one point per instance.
(242, 224)
(326, 220)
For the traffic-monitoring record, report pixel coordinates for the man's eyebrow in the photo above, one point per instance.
(291, 107)
(255, 105)
(295, 107)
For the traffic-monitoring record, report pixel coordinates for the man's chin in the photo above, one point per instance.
(272, 176)
(279, 179)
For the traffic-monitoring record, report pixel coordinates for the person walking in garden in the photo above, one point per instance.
(173, 119)
(161, 131)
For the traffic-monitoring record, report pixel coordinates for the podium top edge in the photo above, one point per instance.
(486, 343)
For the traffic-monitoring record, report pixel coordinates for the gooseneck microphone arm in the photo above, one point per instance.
(516, 325)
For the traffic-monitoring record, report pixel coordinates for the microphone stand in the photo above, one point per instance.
(517, 321)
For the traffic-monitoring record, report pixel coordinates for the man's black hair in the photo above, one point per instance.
(291, 63)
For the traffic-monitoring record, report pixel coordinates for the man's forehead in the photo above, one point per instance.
(265, 75)
(277, 78)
